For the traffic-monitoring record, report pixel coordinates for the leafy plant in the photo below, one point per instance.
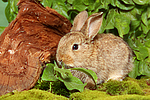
(129, 19)
(11, 10)
(53, 73)
(1, 29)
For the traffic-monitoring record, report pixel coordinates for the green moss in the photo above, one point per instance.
(146, 91)
(33, 94)
(36, 94)
(143, 83)
(88, 95)
(99, 95)
(128, 89)
(128, 86)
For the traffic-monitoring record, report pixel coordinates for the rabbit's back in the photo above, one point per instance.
(114, 57)
(111, 59)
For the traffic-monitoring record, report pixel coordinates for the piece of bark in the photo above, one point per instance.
(29, 40)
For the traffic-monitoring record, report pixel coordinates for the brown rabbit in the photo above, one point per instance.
(107, 55)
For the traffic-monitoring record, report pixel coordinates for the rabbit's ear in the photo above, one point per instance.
(79, 21)
(92, 25)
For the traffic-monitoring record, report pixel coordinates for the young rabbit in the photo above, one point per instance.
(107, 55)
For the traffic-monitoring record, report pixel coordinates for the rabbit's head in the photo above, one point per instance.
(76, 47)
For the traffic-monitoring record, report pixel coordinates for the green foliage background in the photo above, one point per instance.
(129, 19)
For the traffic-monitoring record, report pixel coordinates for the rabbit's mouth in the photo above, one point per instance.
(67, 66)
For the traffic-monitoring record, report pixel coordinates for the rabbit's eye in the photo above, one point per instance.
(75, 47)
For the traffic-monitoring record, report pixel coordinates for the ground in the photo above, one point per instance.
(129, 89)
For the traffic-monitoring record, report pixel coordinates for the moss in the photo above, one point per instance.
(120, 88)
(128, 86)
(128, 97)
(129, 89)
(144, 83)
(88, 95)
(146, 91)
(36, 94)
(99, 95)
(33, 94)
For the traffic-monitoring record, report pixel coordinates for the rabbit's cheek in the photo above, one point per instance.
(67, 60)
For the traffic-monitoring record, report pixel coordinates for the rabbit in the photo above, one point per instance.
(109, 56)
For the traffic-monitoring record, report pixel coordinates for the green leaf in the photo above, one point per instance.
(64, 76)
(128, 2)
(147, 43)
(144, 18)
(122, 24)
(64, 72)
(47, 3)
(97, 4)
(101, 4)
(11, 10)
(132, 14)
(61, 7)
(134, 25)
(1, 29)
(145, 28)
(73, 83)
(142, 53)
(135, 71)
(144, 69)
(141, 65)
(113, 2)
(89, 72)
(148, 35)
(148, 11)
(48, 73)
(102, 28)
(134, 17)
(104, 4)
(88, 2)
(70, 1)
(148, 59)
(132, 44)
(124, 6)
(110, 19)
(141, 2)
(5, 0)
(78, 5)
(138, 42)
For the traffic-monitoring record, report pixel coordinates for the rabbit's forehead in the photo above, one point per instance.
(73, 37)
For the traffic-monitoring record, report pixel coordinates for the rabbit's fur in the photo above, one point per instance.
(107, 55)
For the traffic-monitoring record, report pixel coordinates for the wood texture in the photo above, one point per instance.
(29, 40)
